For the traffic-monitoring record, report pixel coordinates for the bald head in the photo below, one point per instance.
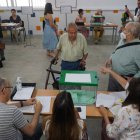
(133, 28)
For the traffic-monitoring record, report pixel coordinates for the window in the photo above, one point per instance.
(9, 3)
(3, 3)
(39, 3)
(20, 3)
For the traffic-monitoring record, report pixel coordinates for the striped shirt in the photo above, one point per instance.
(11, 119)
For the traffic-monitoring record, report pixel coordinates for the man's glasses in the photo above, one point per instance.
(10, 87)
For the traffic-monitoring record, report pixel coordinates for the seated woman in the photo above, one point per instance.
(98, 18)
(81, 19)
(65, 123)
(126, 124)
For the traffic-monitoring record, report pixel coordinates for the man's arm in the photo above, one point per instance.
(120, 79)
(30, 128)
(24, 103)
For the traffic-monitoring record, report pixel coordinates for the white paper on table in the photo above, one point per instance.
(23, 94)
(78, 78)
(105, 99)
(45, 101)
(83, 112)
(119, 95)
(115, 109)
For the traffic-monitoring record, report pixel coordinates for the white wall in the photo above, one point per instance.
(35, 21)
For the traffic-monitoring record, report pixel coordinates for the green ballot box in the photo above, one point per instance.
(81, 84)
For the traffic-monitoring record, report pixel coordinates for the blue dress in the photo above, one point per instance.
(49, 37)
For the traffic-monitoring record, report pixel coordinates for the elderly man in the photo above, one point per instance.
(12, 119)
(126, 58)
(73, 49)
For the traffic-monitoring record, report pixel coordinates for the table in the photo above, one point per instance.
(10, 27)
(91, 110)
(113, 27)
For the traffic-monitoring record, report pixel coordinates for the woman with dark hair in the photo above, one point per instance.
(81, 18)
(49, 37)
(126, 124)
(65, 123)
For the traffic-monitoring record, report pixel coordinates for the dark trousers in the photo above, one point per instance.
(103, 132)
(1, 54)
(66, 65)
(113, 85)
(36, 136)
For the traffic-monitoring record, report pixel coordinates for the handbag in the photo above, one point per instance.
(2, 45)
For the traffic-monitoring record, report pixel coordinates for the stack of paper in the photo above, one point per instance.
(45, 101)
(23, 94)
(105, 99)
(115, 109)
(119, 95)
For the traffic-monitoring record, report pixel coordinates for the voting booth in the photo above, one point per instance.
(81, 84)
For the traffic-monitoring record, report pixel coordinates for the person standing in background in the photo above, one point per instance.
(49, 37)
(81, 18)
(135, 17)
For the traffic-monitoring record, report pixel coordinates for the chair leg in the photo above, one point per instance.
(24, 31)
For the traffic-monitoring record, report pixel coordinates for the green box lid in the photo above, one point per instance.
(91, 78)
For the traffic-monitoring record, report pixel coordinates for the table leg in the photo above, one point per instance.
(113, 35)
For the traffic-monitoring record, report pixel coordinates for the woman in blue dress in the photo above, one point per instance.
(50, 30)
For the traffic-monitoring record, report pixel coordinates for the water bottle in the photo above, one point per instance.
(18, 83)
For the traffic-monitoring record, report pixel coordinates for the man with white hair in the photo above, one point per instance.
(126, 58)
(73, 49)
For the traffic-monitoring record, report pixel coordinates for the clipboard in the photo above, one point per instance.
(25, 86)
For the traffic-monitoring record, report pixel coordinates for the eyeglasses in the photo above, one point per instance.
(10, 87)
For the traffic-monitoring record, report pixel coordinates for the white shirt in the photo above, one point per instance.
(126, 125)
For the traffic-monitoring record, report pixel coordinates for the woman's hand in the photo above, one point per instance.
(103, 111)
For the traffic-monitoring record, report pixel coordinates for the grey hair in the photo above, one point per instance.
(134, 29)
(2, 82)
(72, 25)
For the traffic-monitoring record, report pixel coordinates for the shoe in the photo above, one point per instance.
(3, 58)
(100, 39)
(1, 65)
(96, 41)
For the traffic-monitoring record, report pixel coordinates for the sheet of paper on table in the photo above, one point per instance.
(78, 78)
(45, 101)
(105, 99)
(23, 94)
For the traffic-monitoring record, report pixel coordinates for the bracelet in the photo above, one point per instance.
(21, 103)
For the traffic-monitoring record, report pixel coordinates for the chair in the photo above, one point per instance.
(21, 29)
